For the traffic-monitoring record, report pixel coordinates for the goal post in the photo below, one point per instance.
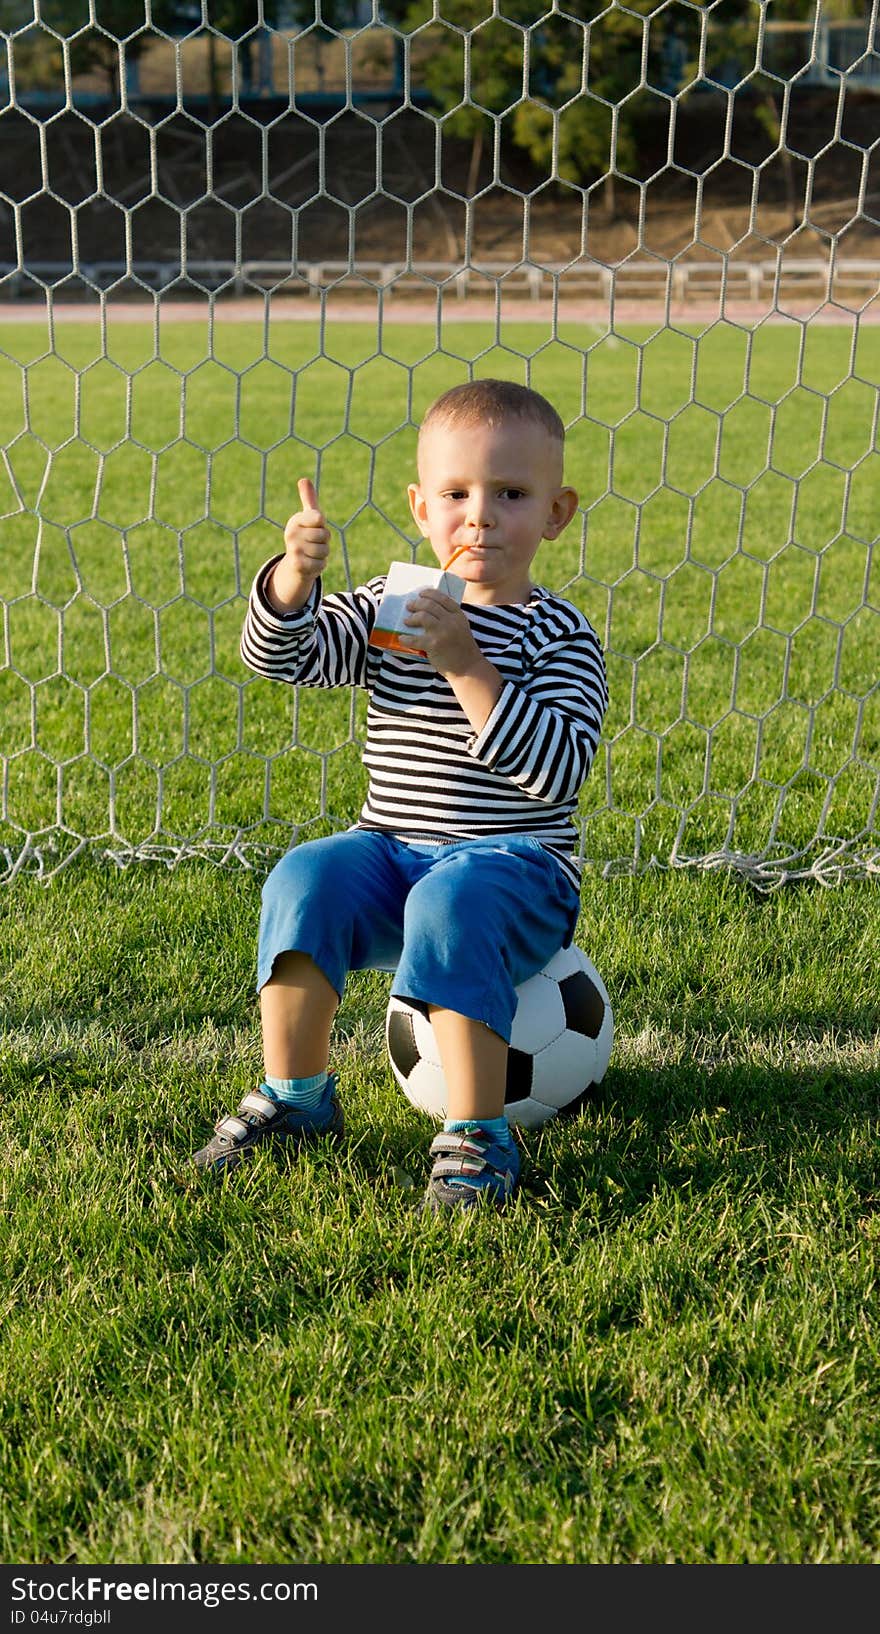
(248, 242)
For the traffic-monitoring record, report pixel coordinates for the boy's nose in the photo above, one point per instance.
(478, 512)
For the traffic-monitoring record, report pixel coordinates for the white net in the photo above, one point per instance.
(244, 242)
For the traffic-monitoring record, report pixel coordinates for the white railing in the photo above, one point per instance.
(639, 279)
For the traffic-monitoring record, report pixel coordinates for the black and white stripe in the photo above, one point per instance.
(431, 776)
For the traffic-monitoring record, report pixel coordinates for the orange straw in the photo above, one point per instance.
(455, 555)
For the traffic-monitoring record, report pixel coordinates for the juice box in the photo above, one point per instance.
(403, 581)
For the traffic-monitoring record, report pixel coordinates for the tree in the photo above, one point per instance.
(239, 21)
(581, 89)
(733, 26)
(549, 110)
(95, 48)
(34, 56)
(577, 115)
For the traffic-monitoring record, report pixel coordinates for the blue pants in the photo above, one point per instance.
(463, 924)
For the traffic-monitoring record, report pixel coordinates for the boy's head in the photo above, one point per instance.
(488, 402)
(490, 479)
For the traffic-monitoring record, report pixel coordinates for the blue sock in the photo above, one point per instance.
(306, 1094)
(497, 1128)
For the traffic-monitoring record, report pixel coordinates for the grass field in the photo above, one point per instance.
(668, 1351)
(724, 554)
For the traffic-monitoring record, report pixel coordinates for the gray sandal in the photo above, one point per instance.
(259, 1119)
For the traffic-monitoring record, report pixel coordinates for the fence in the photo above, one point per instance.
(726, 542)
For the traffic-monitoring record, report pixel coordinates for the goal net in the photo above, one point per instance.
(249, 241)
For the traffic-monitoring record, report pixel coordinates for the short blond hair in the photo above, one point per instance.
(488, 402)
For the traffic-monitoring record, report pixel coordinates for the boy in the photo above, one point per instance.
(460, 868)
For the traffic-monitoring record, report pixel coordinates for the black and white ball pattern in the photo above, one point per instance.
(559, 1048)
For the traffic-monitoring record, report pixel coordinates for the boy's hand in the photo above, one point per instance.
(306, 549)
(307, 536)
(444, 636)
(443, 632)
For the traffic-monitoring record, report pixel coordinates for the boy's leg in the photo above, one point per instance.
(475, 1156)
(338, 900)
(329, 906)
(297, 1006)
(474, 1060)
(484, 918)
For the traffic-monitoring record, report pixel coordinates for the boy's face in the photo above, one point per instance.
(498, 490)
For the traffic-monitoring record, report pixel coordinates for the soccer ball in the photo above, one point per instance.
(559, 1048)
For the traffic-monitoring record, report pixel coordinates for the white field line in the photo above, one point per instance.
(790, 1049)
(219, 1052)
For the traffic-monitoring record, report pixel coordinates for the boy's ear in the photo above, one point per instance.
(419, 508)
(562, 510)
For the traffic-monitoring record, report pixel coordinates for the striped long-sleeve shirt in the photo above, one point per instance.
(431, 776)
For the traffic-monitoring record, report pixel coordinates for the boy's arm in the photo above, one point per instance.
(324, 643)
(291, 633)
(543, 733)
(477, 689)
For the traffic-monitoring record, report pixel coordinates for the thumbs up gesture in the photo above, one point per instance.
(307, 536)
(306, 549)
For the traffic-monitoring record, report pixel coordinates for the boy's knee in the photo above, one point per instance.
(445, 911)
(299, 874)
(279, 881)
(338, 872)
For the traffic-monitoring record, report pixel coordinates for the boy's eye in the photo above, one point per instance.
(505, 493)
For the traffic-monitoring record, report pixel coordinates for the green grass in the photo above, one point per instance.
(667, 1352)
(724, 553)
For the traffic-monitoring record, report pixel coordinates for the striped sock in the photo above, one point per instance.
(306, 1094)
(497, 1128)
